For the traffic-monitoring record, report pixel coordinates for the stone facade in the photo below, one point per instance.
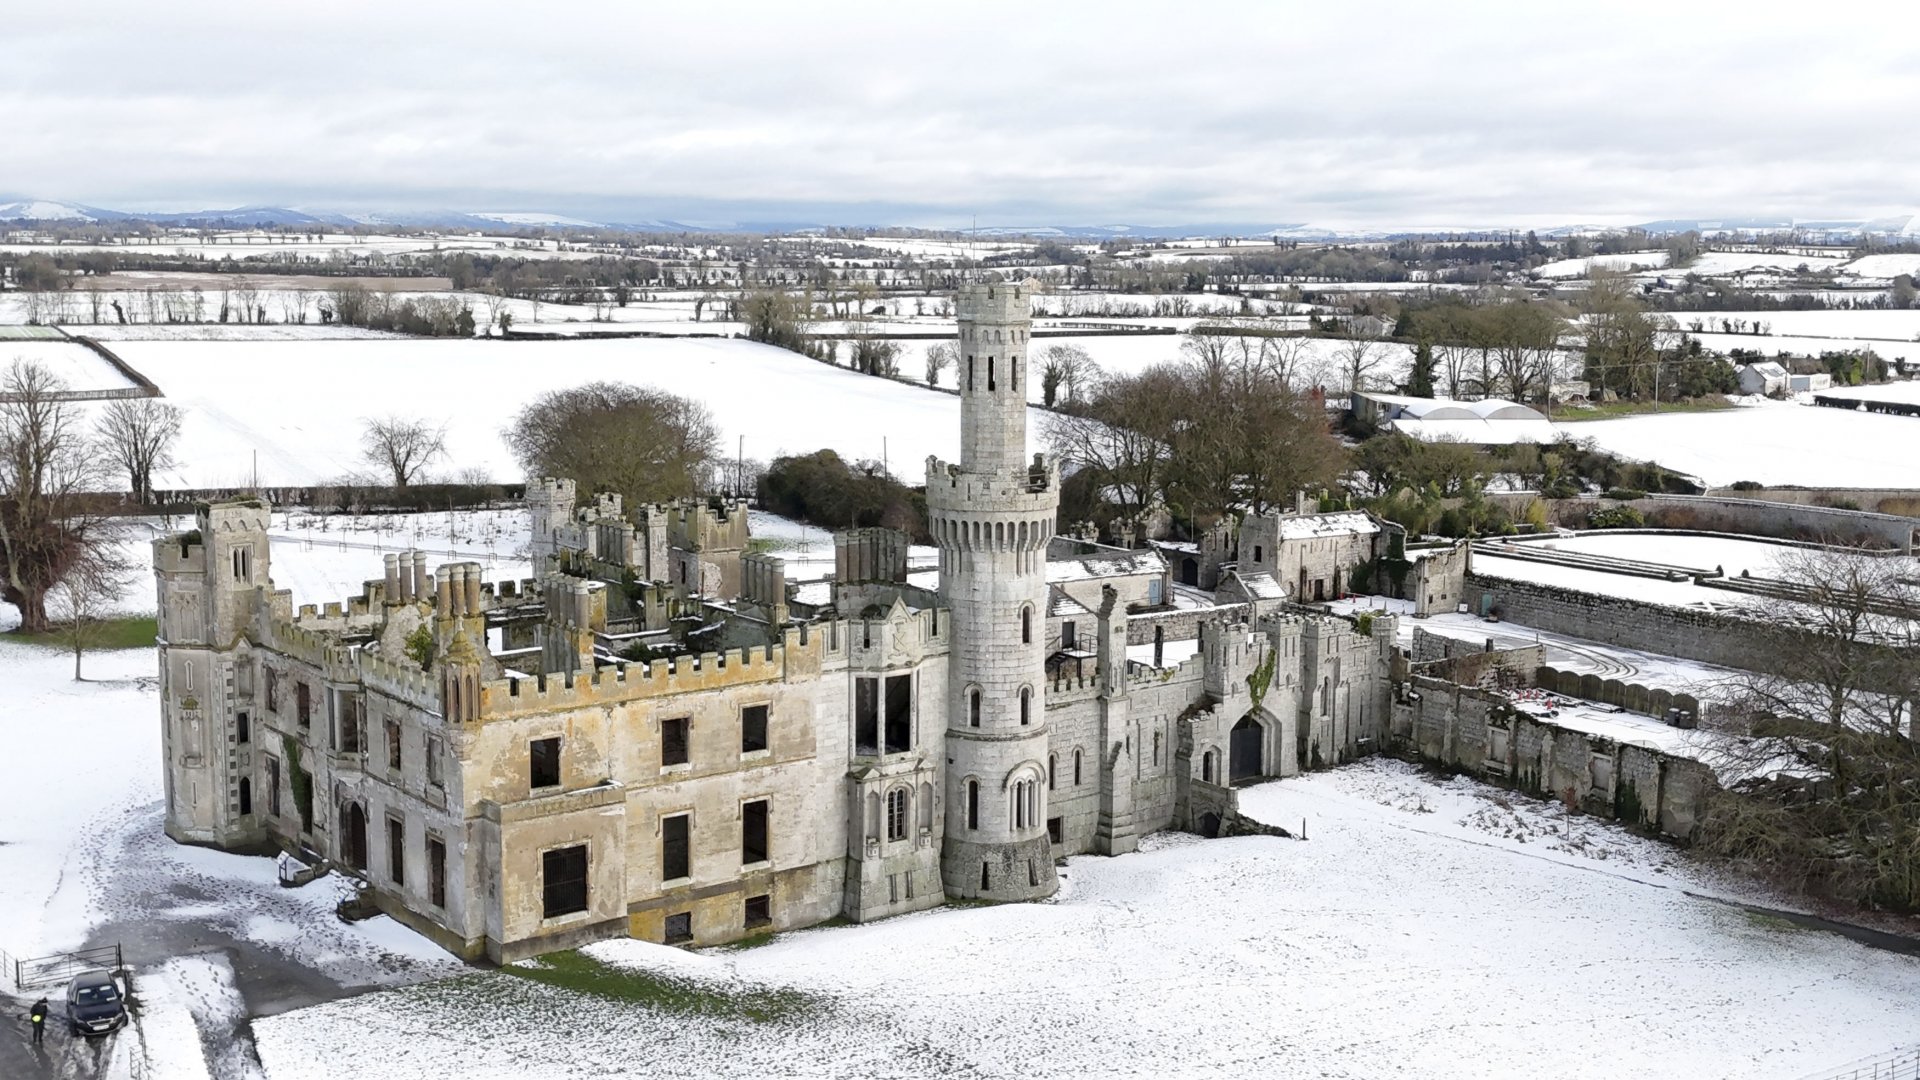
(608, 749)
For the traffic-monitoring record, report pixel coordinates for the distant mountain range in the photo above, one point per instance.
(31, 211)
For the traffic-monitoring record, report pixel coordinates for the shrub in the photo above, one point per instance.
(1747, 485)
(1623, 494)
(1615, 517)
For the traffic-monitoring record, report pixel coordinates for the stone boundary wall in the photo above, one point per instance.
(1479, 733)
(1774, 519)
(1632, 624)
(1898, 502)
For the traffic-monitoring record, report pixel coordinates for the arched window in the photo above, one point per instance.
(897, 814)
(1206, 767)
(873, 817)
(926, 807)
(1050, 760)
(973, 708)
(1076, 768)
(1026, 706)
(1026, 625)
(246, 796)
(973, 804)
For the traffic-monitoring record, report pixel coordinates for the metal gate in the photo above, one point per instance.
(31, 973)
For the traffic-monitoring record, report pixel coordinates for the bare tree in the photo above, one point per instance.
(84, 599)
(1067, 368)
(401, 445)
(941, 356)
(139, 434)
(48, 465)
(1818, 752)
(644, 443)
(1360, 354)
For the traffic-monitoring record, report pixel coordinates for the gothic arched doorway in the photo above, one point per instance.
(1243, 756)
(356, 838)
(1190, 572)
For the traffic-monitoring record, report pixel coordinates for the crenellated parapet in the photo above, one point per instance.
(798, 655)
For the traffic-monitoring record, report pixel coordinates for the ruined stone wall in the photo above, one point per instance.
(1480, 733)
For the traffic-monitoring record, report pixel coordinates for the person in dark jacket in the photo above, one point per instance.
(38, 1014)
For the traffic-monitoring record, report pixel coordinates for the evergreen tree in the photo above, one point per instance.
(1420, 379)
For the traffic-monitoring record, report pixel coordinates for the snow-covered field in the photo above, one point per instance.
(300, 404)
(1426, 928)
(1771, 443)
(79, 367)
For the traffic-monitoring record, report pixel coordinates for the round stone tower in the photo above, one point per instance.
(992, 515)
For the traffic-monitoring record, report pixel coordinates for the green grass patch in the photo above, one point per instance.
(1612, 409)
(751, 941)
(131, 632)
(682, 997)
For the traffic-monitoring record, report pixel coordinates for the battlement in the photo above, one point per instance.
(993, 302)
(1192, 669)
(625, 682)
(873, 643)
(234, 515)
(952, 488)
(404, 681)
(181, 553)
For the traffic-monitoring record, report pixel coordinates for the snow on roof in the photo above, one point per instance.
(1260, 586)
(1771, 369)
(1420, 408)
(1060, 605)
(1477, 431)
(1077, 560)
(816, 593)
(1343, 523)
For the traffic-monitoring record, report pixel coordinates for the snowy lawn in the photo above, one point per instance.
(1426, 929)
(1774, 443)
(300, 404)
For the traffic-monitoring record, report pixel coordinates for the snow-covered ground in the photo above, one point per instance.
(1426, 928)
(1769, 442)
(1581, 267)
(299, 404)
(75, 365)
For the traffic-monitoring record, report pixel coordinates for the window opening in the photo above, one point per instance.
(544, 757)
(753, 728)
(674, 853)
(753, 832)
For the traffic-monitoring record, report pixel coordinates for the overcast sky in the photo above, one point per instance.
(1165, 113)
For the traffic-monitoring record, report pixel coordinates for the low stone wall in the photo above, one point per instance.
(1480, 733)
(1633, 697)
(1183, 624)
(1691, 635)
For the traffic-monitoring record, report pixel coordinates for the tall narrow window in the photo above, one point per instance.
(675, 860)
(1026, 706)
(544, 756)
(753, 728)
(973, 804)
(246, 796)
(1076, 768)
(969, 372)
(435, 750)
(273, 691)
(563, 882)
(273, 786)
(753, 832)
(1026, 626)
(436, 872)
(303, 704)
(973, 708)
(393, 744)
(673, 741)
(990, 386)
(899, 714)
(396, 851)
(866, 715)
(1256, 554)
(1156, 748)
(897, 816)
(1050, 761)
(242, 728)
